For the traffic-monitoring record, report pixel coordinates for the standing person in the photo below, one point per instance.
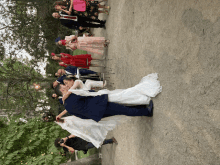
(78, 72)
(78, 22)
(91, 9)
(90, 44)
(78, 84)
(82, 6)
(140, 94)
(72, 143)
(83, 60)
(72, 70)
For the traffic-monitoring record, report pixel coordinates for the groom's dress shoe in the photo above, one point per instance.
(151, 108)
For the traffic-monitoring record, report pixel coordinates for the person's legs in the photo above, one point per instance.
(89, 146)
(87, 22)
(107, 141)
(92, 20)
(93, 84)
(117, 109)
(86, 72)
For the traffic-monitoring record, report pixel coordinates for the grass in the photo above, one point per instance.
(91, 151)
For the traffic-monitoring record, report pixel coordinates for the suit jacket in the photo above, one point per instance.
(87, 107)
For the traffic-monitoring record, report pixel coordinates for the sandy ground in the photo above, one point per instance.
(180, 40)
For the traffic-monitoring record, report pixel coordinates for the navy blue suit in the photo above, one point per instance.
(89, 107)
(60, 79)
(73, 71)
(98, 107)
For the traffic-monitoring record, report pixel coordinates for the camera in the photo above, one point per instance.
(61, 141)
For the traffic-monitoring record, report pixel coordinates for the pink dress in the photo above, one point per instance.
(79, 5)
(89, 44)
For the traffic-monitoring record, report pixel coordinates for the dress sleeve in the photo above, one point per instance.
(69, 38)
(80, 82)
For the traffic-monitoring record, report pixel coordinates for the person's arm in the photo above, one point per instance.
(68, 137)
(61, 114)
(70, 38)
(69, 148)
(62, 64)
(66, 11)
(71, 6)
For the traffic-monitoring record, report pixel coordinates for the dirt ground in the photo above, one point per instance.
(180, 40)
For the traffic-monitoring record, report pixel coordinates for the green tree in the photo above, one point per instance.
(18, 92)
(30, 143)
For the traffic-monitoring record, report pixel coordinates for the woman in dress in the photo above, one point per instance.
(90, 5)
(90, 44)
(82, 61)
(78, 84)
(140, 94)
(90, 9)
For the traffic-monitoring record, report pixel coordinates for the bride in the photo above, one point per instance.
(140, 94)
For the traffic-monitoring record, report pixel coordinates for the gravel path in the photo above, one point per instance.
(180, 40)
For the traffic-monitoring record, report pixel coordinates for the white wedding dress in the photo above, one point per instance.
(89, 130)
(140, 94)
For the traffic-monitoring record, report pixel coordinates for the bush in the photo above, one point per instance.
(31, 143)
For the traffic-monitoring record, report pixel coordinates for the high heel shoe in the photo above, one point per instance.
(107, 41)
(107, 7)
(106, 12)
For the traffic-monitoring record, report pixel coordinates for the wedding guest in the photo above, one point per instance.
(90, 44)
(78, 22)
(140, 94)
(72, 143)
(72, 70)
(83, 60)
(78, 84)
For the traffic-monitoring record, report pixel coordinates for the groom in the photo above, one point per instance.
(97, 107)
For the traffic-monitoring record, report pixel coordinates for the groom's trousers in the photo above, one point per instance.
(118, 109)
